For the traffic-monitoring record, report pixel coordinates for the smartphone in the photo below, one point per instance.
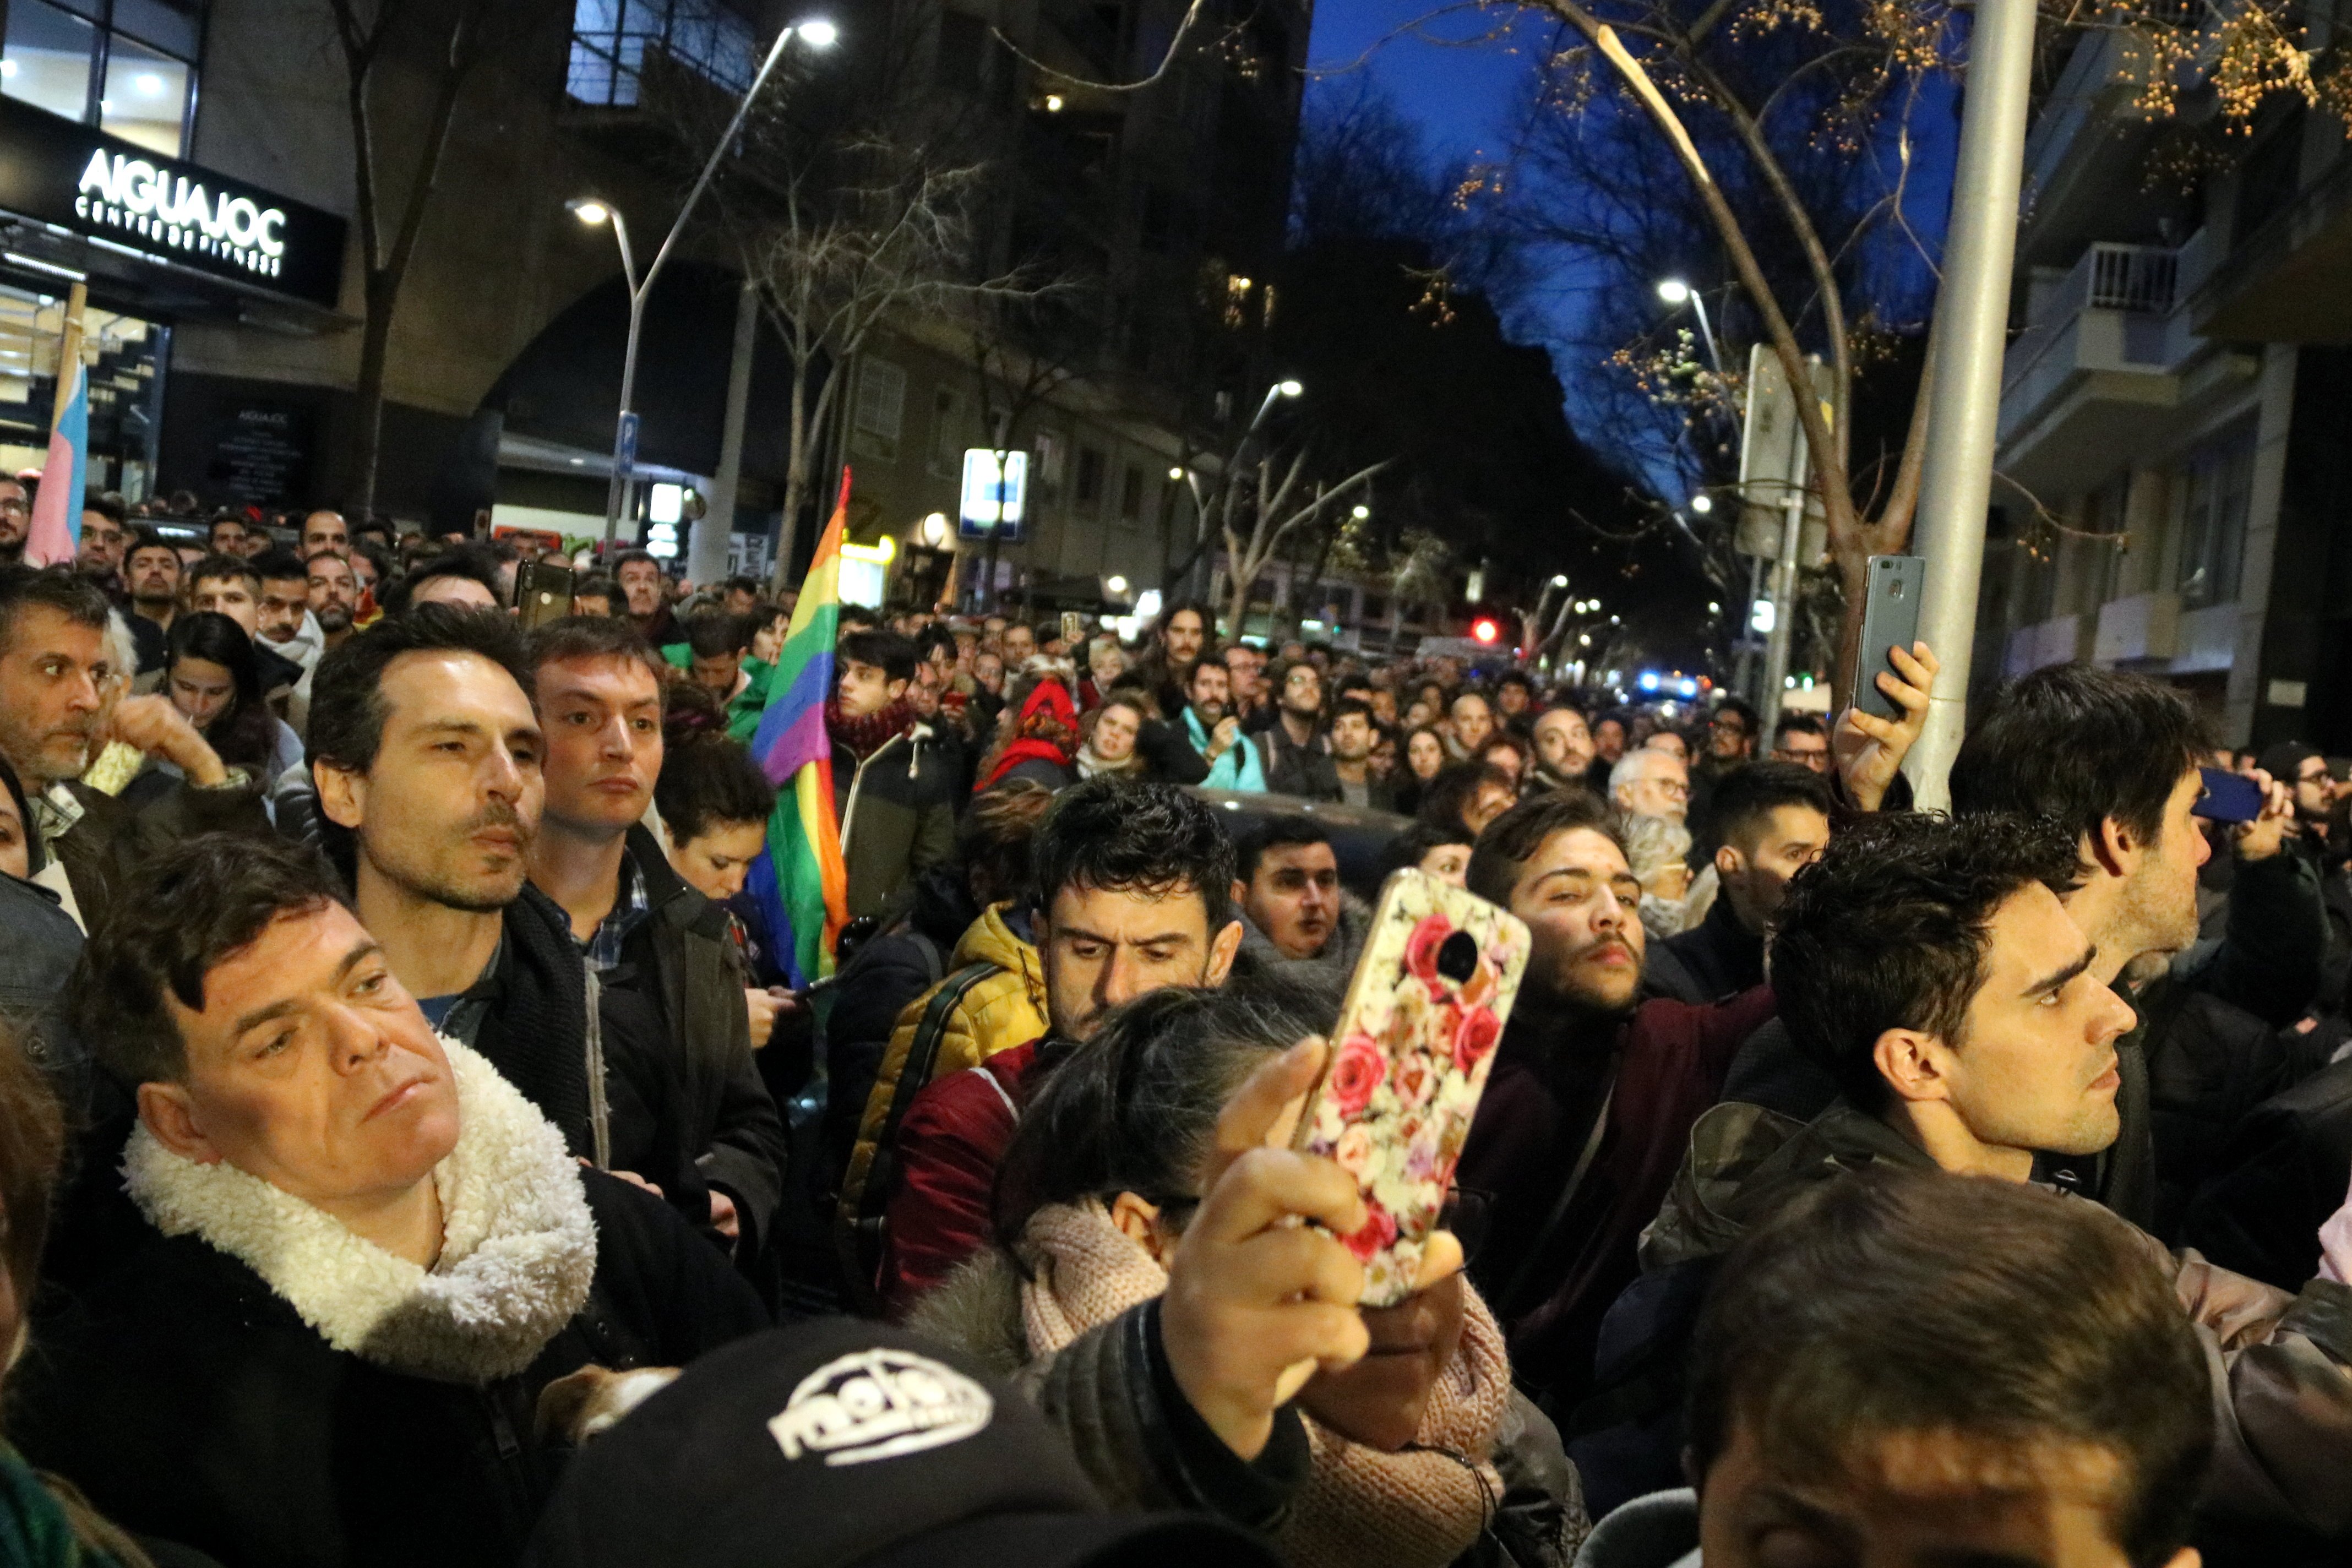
(1890, 619)
(2228, 797)
(542, 593)
(1072, 631)
(1409, 1059)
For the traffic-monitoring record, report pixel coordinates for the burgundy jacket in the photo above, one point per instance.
(949, 1142)
(1531, 1128)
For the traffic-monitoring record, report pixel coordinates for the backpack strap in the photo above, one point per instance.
(861, 1241)
(1514, 1294)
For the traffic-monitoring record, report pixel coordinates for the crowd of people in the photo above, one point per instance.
(419, 1144)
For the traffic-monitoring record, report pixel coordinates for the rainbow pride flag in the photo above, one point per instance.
(800, 884)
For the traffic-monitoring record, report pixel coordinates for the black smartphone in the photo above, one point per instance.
(542, 593)
(1890, 619)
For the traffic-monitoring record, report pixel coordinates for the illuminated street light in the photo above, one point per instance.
(1702, 503)
(1677, 293)
(1673, 292)
(815, 33)
(1360, 513)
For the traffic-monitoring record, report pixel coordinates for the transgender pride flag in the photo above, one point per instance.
(801, 885)
(55, 533)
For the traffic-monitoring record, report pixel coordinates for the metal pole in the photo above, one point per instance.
(1746, 664)
(625, 428)
(1706, 331)
(624, 443)
(1784, 610)
(707, 561)
(1971, 329)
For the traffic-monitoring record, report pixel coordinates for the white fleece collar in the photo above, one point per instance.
(518, 1252)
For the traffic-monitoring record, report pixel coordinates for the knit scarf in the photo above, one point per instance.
(866, 736)
(1419, 1508)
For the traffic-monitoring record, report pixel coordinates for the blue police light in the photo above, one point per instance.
(1649, 680)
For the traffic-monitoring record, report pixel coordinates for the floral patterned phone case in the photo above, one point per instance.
(1409, 1061)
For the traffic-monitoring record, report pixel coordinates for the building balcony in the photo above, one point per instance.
(2107, 363)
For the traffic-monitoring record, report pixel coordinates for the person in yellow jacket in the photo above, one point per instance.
(1134, 893)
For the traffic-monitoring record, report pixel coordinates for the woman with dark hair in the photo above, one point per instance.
(212, 678)
(1423, 755)
(1419, 1450)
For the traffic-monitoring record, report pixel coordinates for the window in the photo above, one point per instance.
(1130, 495)
(1090, 476)
(1053, 452)
(881, 406)
(140, 53)
(2213, 520)
(612, 39)
(946, 432)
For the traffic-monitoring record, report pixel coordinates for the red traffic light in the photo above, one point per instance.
(1485, 629)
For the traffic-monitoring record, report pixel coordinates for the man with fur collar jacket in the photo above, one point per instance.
(365, 1255)
(893, 784)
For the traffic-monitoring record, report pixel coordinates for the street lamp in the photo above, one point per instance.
(817, 34)
(1360, 513)
(1677, 293)
(1702, 503)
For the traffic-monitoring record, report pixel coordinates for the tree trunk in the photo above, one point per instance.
(796, 482)
(381, 293)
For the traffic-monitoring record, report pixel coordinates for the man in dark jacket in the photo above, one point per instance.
(892, 782)
(598, 689)
(1297, 759)
(2114, 757)
(1773, 820)
(1589, 1100)
(364, 1254)
(55, 671)
(427, 756)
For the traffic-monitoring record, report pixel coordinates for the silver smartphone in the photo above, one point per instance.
(1890, 619)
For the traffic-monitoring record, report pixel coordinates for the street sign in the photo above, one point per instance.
(995, 494)
(1773, 458)
(625, 449)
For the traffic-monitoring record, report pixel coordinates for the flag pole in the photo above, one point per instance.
(70, 350)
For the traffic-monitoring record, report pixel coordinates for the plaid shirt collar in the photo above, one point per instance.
(602, 947)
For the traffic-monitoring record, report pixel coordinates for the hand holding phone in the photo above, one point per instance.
(1409, 1061)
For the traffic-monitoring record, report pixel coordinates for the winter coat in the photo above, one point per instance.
(39, 946)
(1001, 1005)
(897, 812)
(977, 1309)
(2281, 1362)
(683, 956)
(529, 1013)
(953, 1138)
(1659, 1070)
(1292, 769)
(2281, 1173)
(256, 1382)
(874, 987)
(1714, 961)
(1236, 768)
(1168, 754)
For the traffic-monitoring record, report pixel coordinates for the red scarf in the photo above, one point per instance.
(1048, 732)
(866, 736)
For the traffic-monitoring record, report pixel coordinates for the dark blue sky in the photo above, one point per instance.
(1462, 80)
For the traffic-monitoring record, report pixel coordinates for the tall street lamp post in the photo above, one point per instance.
(817, 34)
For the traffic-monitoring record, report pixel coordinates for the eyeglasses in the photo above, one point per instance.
(12, 504)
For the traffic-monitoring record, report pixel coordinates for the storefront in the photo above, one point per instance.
(158, 242)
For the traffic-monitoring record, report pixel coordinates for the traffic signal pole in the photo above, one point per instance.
(1972, 331)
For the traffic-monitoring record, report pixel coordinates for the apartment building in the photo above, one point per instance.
(2176, 416)
(225, 363)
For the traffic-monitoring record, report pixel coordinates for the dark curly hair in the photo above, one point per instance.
(1109, 833)
(1889, 929)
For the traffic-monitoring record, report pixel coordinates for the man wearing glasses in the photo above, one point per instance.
(1801, 739)
(16, 521)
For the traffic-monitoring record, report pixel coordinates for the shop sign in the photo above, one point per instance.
(84, 180)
